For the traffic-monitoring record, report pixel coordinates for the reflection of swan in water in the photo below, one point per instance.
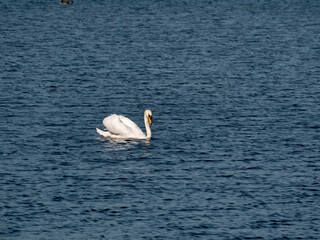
(121, 127)
(117, 144)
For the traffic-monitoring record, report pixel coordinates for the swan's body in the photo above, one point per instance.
(121, 127)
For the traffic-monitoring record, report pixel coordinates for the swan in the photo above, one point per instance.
(121, 127)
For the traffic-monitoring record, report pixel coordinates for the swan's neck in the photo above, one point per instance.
(148, 129)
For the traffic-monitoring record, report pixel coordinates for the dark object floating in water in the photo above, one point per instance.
(65, 2)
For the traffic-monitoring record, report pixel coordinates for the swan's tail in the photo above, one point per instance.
(103, 133)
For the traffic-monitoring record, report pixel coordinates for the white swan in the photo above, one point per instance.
(121, 127)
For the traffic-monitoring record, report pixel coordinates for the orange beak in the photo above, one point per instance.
(150, 120)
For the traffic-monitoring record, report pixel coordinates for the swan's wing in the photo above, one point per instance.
(137, 132)
(115, 126)
(122, 126)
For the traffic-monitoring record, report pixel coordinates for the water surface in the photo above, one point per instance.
(234, 89)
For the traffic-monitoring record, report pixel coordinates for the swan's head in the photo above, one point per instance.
(148, 114)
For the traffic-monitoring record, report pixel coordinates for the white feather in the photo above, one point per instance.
(122, 127)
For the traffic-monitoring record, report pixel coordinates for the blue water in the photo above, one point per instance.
(234, 87)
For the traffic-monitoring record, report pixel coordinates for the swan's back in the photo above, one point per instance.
(122, 126)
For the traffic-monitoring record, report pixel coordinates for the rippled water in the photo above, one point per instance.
(234, 88)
